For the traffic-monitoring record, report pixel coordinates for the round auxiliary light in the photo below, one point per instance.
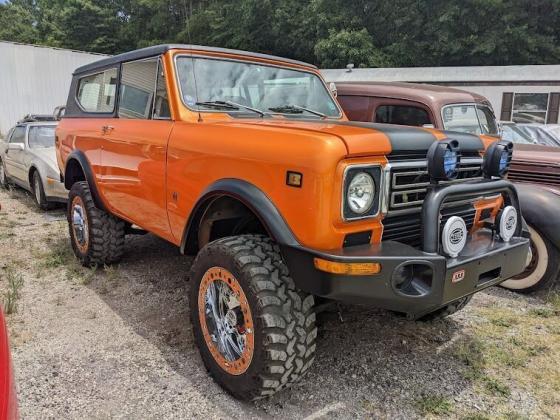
(497, 159)
(506, 223)
(443, 160)
(454, 236)
(361, 192)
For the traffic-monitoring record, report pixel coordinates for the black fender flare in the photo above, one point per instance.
(541, 209)
(252, 197)
(81, 159)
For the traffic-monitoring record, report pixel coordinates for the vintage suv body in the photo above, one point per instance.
(247, 160)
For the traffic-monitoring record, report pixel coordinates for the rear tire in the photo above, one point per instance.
(447, 310)
(543, 269)
(39, 192)
(277, 320)
(97, 237)
(3, 176)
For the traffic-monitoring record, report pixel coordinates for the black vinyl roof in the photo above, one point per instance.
(161, 49)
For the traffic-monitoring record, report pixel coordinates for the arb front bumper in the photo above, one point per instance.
(414, 281)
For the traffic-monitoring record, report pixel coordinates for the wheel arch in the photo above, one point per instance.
(238, 196)
(540, 210)
(78, 168)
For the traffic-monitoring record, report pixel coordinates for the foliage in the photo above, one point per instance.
(329, 33)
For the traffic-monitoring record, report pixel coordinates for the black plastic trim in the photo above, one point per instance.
(250, 196)
(81, 158)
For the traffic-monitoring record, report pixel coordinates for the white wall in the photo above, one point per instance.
(34, 80)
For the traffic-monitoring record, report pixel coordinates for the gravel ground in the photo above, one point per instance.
(117, 343)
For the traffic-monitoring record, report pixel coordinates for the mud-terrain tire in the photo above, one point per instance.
(39, 192)
(102, 239)
(3, 176)
(543, 269)
(447, 310)
(282, 317)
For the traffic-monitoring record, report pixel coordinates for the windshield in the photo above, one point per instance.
(467, 118)
(209, 84)
(41, 136)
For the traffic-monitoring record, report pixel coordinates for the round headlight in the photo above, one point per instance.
(361, 192)
(497, 159)
(443, 160)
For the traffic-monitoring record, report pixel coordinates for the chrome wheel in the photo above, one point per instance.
(80, 224)
(226, 320)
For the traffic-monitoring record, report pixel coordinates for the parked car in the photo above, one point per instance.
(418, 105)
(28, 159)
(539, 134)
(8, 397)
(511, 132)
(553, 129)
(255, 169)
(428, 106)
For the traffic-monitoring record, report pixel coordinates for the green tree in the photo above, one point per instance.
(345, 47)
(17, 22)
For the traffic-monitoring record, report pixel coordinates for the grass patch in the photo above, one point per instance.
(13, 291)
(434, 404)
(496, 387)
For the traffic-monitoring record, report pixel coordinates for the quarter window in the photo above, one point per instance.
(530, 107)
(402, 115)
(96, 93)
(161, 103)
(138, 81)
(41, 137)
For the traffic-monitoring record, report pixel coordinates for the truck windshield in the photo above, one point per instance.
(231, 86)
(470, 118)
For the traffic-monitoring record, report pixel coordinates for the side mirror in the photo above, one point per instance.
(15, 146)
(333, 89)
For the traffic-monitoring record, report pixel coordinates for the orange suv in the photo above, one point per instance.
(248, 161)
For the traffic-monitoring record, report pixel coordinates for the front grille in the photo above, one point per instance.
(408, 228)
(537, 175)
(409, 182)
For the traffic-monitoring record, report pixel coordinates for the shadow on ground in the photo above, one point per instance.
(368, 361)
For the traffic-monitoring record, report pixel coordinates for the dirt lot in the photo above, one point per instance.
(116, 343)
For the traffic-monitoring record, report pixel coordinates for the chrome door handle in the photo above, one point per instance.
(107, 128)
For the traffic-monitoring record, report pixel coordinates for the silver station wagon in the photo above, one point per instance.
(28, 160)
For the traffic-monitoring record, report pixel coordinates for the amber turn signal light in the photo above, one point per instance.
(351, 269)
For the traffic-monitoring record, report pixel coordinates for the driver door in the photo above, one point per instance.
(14, 157)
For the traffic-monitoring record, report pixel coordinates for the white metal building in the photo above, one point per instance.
(518, 93)
(35, 79)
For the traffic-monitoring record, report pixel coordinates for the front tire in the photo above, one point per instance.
(255, 331)
(97, 237)
(542, 270)
(39, 192)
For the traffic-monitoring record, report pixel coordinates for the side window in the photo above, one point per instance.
(41, 137)
(355, 107)
(96, 93)
(161, 103)
(138, 81)
(18, 135)
(402, 115)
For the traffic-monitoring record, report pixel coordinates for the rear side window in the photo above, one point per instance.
(402, 115)
(96, 93)
(18, 135)
(138, 82)
(41, 137)
(355, 107)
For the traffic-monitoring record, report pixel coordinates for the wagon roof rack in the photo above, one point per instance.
(36, 118)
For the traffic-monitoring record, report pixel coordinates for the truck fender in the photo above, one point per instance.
(252, 197)
(540, 208)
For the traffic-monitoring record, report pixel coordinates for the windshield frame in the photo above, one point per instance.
(242, 111)
(475, 104)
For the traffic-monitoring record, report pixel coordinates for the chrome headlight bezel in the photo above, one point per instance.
(374, 171)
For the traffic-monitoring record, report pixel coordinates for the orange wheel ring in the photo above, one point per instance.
(79, 223)
(226, 320)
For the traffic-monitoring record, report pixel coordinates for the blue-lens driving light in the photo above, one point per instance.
(443, 160)
(497, 159)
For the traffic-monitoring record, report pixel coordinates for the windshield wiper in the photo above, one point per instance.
(231, 105)
(296, 109)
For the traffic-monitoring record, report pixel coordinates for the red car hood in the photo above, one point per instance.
(8, 399)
